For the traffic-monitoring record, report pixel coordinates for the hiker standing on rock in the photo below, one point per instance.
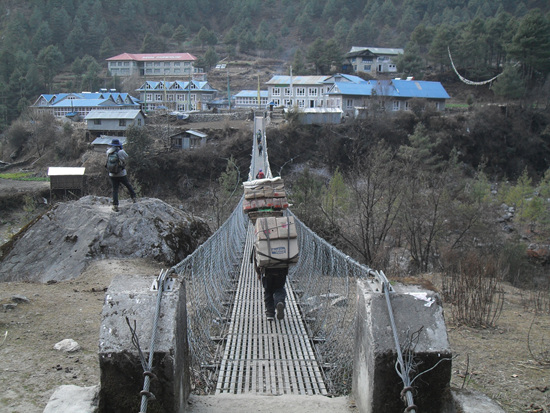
(116, 165)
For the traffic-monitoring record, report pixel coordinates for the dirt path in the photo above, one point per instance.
(30, 368)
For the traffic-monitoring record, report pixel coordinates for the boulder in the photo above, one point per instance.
(60, 244)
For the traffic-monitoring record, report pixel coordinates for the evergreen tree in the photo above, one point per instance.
(50, 60)
(106, 49)
(42, 37)
(74, 41)
(531, 44)
(180, 34)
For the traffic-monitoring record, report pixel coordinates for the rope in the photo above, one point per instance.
(463, 79)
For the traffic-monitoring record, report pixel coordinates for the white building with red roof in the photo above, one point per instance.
(152, 64)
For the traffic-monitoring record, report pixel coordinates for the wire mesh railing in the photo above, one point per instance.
(210, 275)
(325, 280)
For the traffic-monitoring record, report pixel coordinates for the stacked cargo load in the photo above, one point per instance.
(264, 197)
(275, 242)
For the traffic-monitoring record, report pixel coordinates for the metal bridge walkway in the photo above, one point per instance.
(266, 357)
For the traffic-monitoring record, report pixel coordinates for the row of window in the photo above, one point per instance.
(181, 97)
(121, 122)
(180, 107)
(167, 71)
(300, 91)
(250, 101)
(166, 64)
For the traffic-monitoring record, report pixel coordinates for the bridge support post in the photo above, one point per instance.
(121, 370)
(376, 385)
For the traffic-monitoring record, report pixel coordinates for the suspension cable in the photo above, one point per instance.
(145, 393)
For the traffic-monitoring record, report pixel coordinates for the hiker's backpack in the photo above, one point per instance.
(114, 165)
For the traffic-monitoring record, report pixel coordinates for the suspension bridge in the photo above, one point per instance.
(346, 330)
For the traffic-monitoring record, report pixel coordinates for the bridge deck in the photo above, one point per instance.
(266, 357)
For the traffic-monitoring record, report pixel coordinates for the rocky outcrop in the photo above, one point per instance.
(60, 244)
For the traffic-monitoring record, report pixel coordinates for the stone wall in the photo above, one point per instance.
(221, 116)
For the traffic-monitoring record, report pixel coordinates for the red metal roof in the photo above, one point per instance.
(150, 57)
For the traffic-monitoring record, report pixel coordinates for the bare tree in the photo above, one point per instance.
(375, 185)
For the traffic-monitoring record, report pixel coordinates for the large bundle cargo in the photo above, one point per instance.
(276, 242)
(264, 194)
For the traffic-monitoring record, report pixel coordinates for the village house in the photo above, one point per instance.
(152, 64)
(110, 122)
(296, 91)
(179, 95)
(188, 139)
(79, 105)
(348, 92)
(371, 60)
(249, 99)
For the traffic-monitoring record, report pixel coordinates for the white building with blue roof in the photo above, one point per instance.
(249, 99)
(179, 95)
(81, 104)
(348, 92)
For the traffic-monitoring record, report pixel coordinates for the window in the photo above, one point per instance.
(312, 91)
(157, 71)
(288, 102)
(97, 121)
(407, 105)
(367, 59)
(301, 91)
(349, 103)
(301, 103)
(126, 63)
(158, 97)
(367, 68)
(148, 98)
(177, 64)
(139, 122)
(166, 64)
(276, 91)
(157, 64)
(194, 142)
(395, 105)
(288, 92)
(122, 122)
(170, 98)
(276, 102)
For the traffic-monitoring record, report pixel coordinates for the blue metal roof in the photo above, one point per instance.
(420, 89)
(88, 99)
(252, 94)
(392, 88)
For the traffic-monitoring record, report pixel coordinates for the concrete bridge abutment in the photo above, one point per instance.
(376, 385)
(121, 370)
